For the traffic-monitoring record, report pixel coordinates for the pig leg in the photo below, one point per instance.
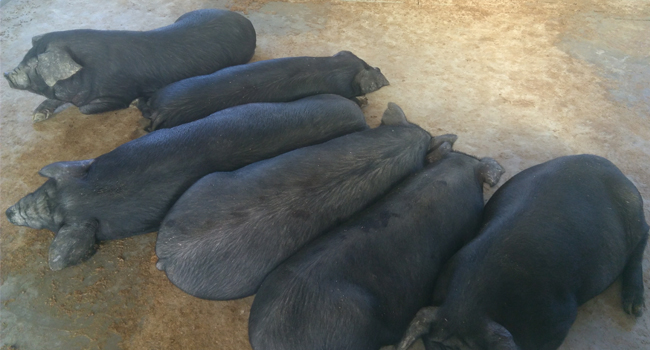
(443, 281)
(103, 104)
(632, 280)
(46, 109)
(361, 101)
(73, 244)
(557, 327)
(420, 326)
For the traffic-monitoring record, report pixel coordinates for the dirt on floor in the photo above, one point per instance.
(520, 81)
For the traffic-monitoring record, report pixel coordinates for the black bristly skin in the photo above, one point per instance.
(553, 237)
(229, 230)
(129, 190)
(276, 80)
(103, 70)
(359, 286)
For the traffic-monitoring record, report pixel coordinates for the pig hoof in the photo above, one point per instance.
(41, 116)
(633, 305)
(362, 101)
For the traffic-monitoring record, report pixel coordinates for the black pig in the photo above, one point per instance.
(360, 285)
(129, 190)
(277, 80)
(102, 70)
(553, 237)
(229, 230)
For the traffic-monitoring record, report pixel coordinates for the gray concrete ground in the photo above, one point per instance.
(520, 81)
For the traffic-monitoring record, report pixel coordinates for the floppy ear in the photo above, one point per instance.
(61, 170)
(490, 171)
(35, 39)
(55, 64)
(420, 326)
(394, 115)
(370, 80)
(498, 338)
(439, 152)
(436, 141)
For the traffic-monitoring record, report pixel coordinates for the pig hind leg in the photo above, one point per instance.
(632, 280)
(557, 332)
(103, 104)
(46, 109)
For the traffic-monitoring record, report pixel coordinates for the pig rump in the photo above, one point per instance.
(553, 237)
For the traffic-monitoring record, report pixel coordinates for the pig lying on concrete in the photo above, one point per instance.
(553, 237)
(129, 190)
(100, 70)
(229, 230)
(360, 285)
(277, 80)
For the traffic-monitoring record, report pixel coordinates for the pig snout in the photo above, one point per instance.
(370, 80)
(13, 215)
(33, 210)
(17, 79)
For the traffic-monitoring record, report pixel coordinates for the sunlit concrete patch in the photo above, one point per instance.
(379, 1)
(618, 47)
(281, 18)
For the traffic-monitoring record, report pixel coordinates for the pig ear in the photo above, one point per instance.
(420, 326)
(55, 64)
(439, 152)
(498, 338)
(73, 244)
(345, 53)
(439, 140)
(394, 115)
(370, 79)
(35, 39)
(490, 171)
(61, 170)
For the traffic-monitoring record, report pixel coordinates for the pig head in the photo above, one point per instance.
(46, 207)
(41, 68)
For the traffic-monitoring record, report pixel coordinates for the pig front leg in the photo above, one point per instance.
(632, 281)
(103, 104)
(420, 326)
(74, 243)
(46, 110)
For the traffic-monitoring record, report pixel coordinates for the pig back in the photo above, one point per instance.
(130, 189)
(569, 224)
(230, 229)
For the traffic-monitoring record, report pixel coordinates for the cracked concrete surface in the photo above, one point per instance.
(520, 81)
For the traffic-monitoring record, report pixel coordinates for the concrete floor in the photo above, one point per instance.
(520, 81)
